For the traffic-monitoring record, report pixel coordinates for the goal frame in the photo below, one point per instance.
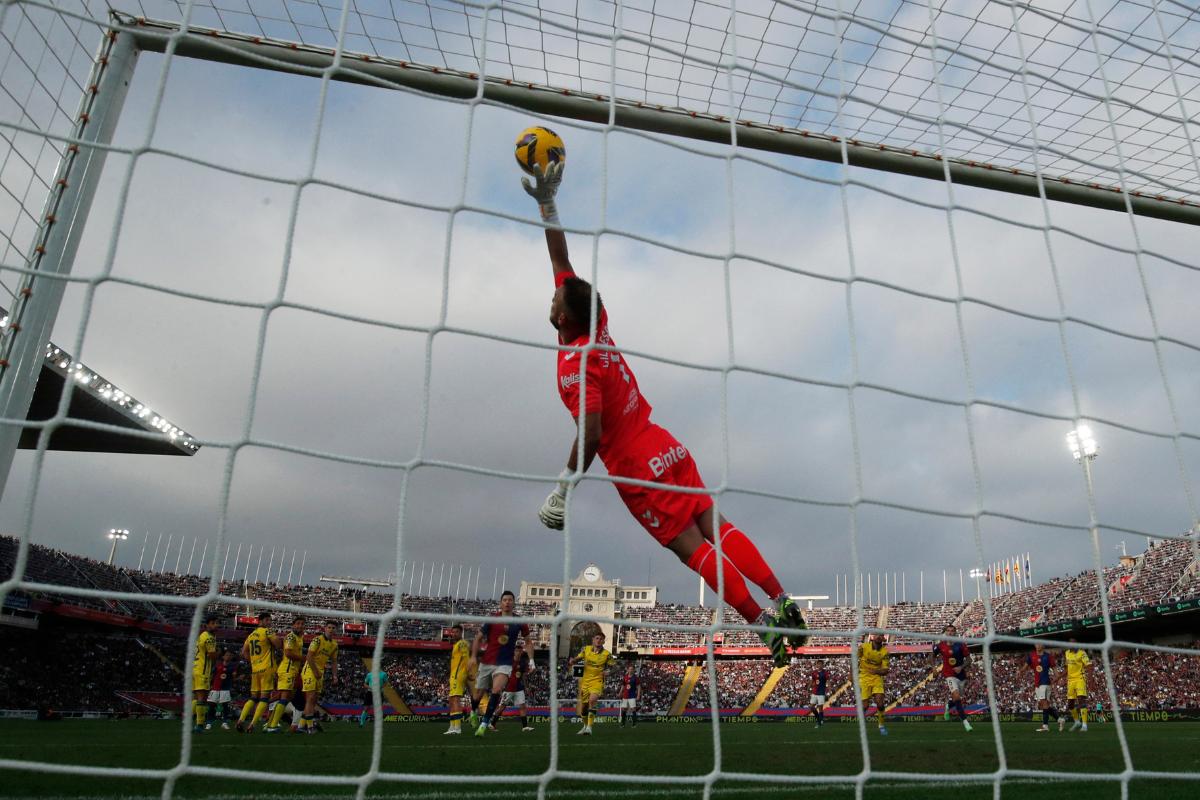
(388, 73)
(60, 228)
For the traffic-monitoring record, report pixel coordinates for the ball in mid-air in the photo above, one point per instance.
(538, 148)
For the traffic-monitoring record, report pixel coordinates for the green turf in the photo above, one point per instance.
(650, 749)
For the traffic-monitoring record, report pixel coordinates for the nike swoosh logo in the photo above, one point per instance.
(569, 356)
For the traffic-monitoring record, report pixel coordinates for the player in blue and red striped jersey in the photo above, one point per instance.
(818, 686)
(631, 693)
(955, 658)
(514, 692)
(494, 649)
(1040, 663)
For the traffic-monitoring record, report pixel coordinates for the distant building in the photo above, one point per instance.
(590, 592)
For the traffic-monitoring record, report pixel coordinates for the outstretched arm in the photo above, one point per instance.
(591, 443)
(553, 512)
(543, 189)
(556, 243)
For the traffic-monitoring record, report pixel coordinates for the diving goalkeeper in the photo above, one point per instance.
(617, 428)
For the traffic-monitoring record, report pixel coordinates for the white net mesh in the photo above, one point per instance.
(1098, 93)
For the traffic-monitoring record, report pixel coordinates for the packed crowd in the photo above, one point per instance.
(97, 666)
(738, 683)
(1167, 570)
(1081, 597)
(920, 618)
(795, 687)
(838, 618)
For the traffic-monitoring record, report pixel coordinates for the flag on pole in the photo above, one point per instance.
(1028, 571)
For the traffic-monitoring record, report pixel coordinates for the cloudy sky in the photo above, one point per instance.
(736, 320)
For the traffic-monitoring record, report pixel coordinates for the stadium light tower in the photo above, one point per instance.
(977, 573)
(1084, 449)
(117, 535)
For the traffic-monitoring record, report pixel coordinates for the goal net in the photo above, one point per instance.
(872, 260)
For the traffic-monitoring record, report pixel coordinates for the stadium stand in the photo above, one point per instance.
(738, 681)
(921, 618)
(124, 659)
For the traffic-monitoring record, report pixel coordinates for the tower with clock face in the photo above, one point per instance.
(591, 593)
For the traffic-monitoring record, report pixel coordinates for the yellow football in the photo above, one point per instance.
(537, 148)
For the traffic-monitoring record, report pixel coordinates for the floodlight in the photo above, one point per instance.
(1082, 443)
(117, 535)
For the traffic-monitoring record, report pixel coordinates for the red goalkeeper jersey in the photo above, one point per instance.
(611, 390)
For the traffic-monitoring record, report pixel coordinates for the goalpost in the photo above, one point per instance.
(1091, 105)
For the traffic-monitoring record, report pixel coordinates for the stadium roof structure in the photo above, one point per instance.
(97, 401)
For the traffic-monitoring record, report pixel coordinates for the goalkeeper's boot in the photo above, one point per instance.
(789, 616)
(773, 639)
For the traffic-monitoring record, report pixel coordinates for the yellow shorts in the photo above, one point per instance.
(262, 682)
(871, 684)
(201, 681)
(458, 686)
(589, 688)
(312, 681)
(285, 679)
(1076, 688)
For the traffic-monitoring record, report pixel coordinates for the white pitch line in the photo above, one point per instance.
(516, 791)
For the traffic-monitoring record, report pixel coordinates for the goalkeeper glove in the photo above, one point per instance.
(543, 189)
(553, 512)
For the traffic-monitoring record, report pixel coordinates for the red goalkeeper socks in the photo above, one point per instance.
(704, 562)
(738, 548)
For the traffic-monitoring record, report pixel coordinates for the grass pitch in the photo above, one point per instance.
(674, 751)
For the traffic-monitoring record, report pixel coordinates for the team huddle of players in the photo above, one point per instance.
(279, 668)
(955, 660)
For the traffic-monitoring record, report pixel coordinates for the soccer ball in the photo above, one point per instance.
(537, 148)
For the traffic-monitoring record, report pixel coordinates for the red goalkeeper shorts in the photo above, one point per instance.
(655, 455)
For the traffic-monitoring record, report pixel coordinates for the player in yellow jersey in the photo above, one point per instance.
(872, 666)
(460, 655)
(1077, 675)
(202, 670)
(596, 660)
(259, 649)
(291, 661)
(322, 652)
